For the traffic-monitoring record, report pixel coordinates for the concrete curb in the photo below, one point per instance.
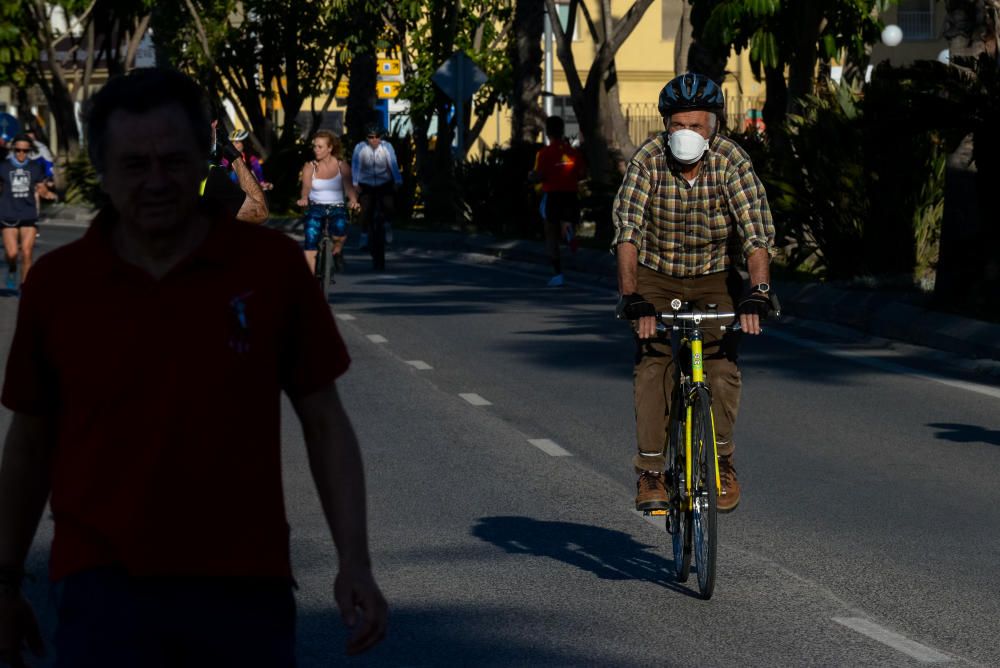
(870, 311)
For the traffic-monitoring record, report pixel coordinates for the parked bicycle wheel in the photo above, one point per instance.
(704, 528)
(678, 520)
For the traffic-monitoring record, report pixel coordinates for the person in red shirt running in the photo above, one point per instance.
(559, 168)
(149, 406)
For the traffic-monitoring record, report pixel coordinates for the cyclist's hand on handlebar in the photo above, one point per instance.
(752, 309)
(635, 307)
(302, 202)
(354, 205)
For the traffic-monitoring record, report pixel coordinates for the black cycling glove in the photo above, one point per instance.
(229, 152)
(633, 307)
(761, 304)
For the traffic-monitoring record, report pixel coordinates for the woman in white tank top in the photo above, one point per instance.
(326, 185)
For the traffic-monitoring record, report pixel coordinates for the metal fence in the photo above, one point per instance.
(643, 120)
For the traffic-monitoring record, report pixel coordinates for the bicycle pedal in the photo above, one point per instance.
(647, 513)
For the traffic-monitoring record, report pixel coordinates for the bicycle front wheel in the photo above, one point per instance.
(324, 264)
(704, 512)
(678, 520)
(376, 242)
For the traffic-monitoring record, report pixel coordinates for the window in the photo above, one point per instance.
(562, 105)
(562, 10)
(916, 19)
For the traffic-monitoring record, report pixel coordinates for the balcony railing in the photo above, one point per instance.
(644, 119)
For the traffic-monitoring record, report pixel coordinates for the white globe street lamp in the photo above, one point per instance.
(944, 56)
(892, 35)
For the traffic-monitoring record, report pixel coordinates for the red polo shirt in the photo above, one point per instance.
(166, 396)
(560, 167)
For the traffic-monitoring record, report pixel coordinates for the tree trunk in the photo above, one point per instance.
(361, 98)
(525, 52)
(707, 61)
(802, 66)
(684, 38)
(776, 102)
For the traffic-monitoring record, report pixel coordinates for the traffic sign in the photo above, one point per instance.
(342, 89)
(459, 77)
(388, 90)
(389, 67)
(8, 126)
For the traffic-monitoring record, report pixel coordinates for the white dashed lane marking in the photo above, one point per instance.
(345, 316)
(549, 447)
(912, 648)
(377, 338)
(420, 365)
(475, 399)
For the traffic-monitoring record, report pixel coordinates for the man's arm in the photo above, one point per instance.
(24, 489)
(24, 485)
(393, 163)
(629, 220)
(748, 203)
(254, 209)
(356, 163)
(335, 463)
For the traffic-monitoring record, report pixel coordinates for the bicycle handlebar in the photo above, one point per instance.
(670, 321)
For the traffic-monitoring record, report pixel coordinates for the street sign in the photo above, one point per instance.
(459, 77)
(387, 90)
(342, 89)
(8, 126)
(389, 67)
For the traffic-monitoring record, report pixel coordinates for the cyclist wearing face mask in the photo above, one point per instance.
(690, 212)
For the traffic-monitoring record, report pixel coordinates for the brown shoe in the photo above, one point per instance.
(652, 491)
(729, 495)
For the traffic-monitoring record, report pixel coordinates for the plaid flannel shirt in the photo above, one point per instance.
(683, 230)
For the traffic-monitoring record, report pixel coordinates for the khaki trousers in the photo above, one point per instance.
(653, 376)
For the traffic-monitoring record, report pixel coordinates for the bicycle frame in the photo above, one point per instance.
(694, 342)
(688, 325)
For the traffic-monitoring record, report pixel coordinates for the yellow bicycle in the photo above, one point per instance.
(692, 473)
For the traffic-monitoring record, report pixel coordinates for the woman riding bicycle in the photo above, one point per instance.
(326, 188)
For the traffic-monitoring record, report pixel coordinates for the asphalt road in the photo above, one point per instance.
(496, 421)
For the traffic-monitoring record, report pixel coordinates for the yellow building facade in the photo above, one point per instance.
(644, 63)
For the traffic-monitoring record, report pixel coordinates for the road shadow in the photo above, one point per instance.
(965, 433)
(458, 636)
(608, 554)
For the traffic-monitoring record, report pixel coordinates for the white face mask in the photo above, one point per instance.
(687, 146)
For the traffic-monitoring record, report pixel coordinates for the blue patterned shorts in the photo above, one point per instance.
(318, 215)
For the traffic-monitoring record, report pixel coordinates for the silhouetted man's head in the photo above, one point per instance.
(140, 91)
(148, 135)
(555, 128)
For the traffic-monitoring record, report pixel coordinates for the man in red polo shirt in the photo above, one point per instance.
(148, 405)
(559, 168)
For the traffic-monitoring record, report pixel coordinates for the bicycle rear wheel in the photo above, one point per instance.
(705, 511)
(678, 520)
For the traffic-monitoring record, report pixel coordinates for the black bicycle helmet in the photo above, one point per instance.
(374, 129)
(690, 92)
